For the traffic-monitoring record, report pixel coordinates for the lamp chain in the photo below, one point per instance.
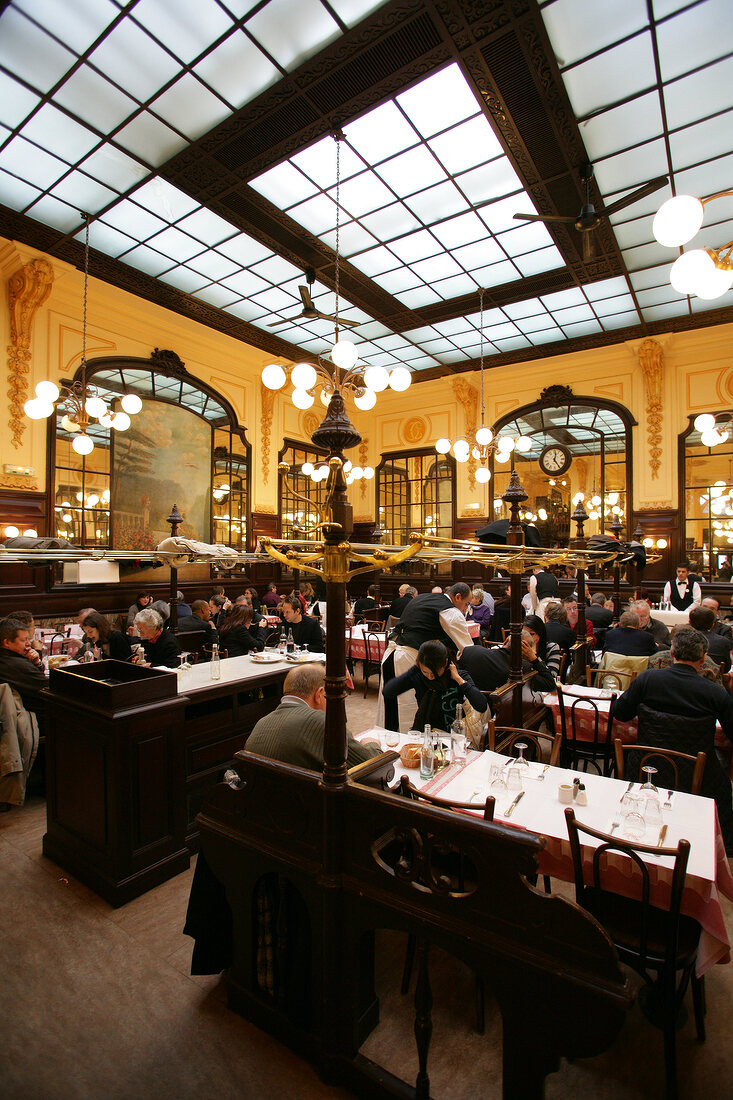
(337, 138)
(481, 334)
(84, 316)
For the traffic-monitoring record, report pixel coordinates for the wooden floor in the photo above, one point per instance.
(98, 1004)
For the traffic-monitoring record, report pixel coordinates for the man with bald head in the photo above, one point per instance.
(655, 627)
(720, 626)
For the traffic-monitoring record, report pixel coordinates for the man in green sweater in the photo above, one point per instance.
(294, 732)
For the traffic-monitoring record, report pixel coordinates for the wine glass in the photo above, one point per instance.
(520, 762)
(649, 793)
(184, 666)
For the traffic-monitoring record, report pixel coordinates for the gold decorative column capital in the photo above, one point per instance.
(651, 361)
(28, 290)
(267, 399)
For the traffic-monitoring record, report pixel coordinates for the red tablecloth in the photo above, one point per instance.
(358, 644)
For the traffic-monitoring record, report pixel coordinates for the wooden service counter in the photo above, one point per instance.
(131, 755)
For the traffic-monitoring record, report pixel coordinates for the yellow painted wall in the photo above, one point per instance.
(697, 375)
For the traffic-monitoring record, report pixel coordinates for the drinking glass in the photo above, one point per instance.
(634, 823)
(458, 748)
(497, 781)
(392, 739)
(650, 796)
(514, 777)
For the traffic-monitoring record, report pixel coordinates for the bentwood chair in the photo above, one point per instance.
(659, 944)
(678, 771)
(616, 670)
(579, 714)
(502, 739)
(372, 657)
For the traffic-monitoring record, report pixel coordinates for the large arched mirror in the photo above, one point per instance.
(706, 494)
(575, 448)
(184, 447)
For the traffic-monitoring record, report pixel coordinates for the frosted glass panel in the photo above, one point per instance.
(237, 69)
(438, 102)
(291, 32)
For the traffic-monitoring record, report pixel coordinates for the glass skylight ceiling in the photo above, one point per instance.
(606, 56)
(96, 95)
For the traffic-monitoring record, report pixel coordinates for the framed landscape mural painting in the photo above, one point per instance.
(163, 459)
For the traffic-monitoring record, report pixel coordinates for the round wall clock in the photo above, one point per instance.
(555, 459)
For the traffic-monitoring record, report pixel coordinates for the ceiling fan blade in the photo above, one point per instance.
(588, 250)
(340, 321)
(545, 218)
(306, 296)
(640, 193)
(285, 321)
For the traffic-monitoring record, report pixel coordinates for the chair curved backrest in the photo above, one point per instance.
(502, 739)
(580, 715)
(617, 670)
(409, 791)
(679, 771)
(373, 656)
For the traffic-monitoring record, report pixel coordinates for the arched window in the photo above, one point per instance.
(184, 447)
(579, 448)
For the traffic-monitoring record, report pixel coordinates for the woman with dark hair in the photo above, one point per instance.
(548, 652)
(102, 641)
(236, 634)
(438, 685)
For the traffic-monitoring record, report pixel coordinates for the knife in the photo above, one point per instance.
(508, 812)
(662, 835)
(623, 796)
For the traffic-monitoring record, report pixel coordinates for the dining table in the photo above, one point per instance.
(358, 635)
(692, 817)
(672, 617)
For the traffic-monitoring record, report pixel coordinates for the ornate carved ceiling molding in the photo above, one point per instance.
(28, 288)
(651, 361)
(267, 400)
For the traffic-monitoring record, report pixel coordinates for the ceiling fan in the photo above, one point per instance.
(589, 218)
(309, 310)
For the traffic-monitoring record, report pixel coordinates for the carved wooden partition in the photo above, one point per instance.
(354, 860)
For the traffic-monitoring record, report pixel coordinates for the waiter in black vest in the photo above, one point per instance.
(543, 589)
(430, 615)
(682, 593)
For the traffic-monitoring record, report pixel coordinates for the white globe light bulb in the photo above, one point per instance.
(376, 378)
(709, 438)
(131, 403)
(483, 475)
(31, 533)
(303, 376)
(595, 501)
(484, 436)
(476, 453)
(325, 398)
(506, 444)
(302, 399)
(95, 406)
(93, 500)
(442, 445)
(368, 472)
(82, 444)
(273, 376)
(11, 532)
(542, 513)
(689, 270)
(357, 473)
(121, 421)
(714, 284)
(678, 220)
(69, 425)
(348, 465)
(524, 444)
(107, 420)
(366, 400)
(34, 408)
(647, 542)
(400, 379)
(307, 468)
(47, 391)
(344, 354)
(502, 456)
(461, 456)
(323, 471)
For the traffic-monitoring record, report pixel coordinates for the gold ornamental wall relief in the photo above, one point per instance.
(414, 430)
(651, 361)
(28, 290)
(468, 398)
(267, 403)
(363, 461)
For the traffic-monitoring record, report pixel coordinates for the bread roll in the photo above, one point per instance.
(410, 755)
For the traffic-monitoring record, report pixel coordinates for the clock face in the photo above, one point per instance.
(555, 459)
